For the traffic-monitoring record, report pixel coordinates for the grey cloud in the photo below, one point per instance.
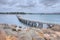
(49, 2)
(30, 3)
(3, 1)
(7, 2)
(26, 4)
(31, 6)
(12, 3)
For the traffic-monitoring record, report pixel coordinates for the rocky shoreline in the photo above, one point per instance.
(9, 32)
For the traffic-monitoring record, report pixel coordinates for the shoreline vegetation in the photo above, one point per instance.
(30, 13)
(9, 32)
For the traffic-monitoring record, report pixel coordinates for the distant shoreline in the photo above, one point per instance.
(14, 13)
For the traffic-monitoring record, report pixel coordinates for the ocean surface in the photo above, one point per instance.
(9, 19)
(12, 19)
(53, 19)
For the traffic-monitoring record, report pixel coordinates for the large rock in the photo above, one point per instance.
(56, 28)
(31, 34)
(10, 37)
(51, 35)
(2, 35)
(8, 32)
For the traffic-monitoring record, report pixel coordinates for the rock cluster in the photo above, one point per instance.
(9, 32)
(56, 28)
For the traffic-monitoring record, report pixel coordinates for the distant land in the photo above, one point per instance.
(30, 13)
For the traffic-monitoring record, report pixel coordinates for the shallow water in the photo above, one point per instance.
(12, 19)
(9, 19)
(54, 19)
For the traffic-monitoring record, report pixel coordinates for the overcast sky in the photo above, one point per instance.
(30, 6)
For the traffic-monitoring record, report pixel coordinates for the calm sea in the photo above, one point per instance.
(12, 19)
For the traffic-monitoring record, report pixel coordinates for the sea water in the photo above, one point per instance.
(12, 19)
(54, 19)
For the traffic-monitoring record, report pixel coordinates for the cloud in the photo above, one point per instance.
(49, 2)
(26, 4)
(8, 2)
(3, 2)
(33, 6)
